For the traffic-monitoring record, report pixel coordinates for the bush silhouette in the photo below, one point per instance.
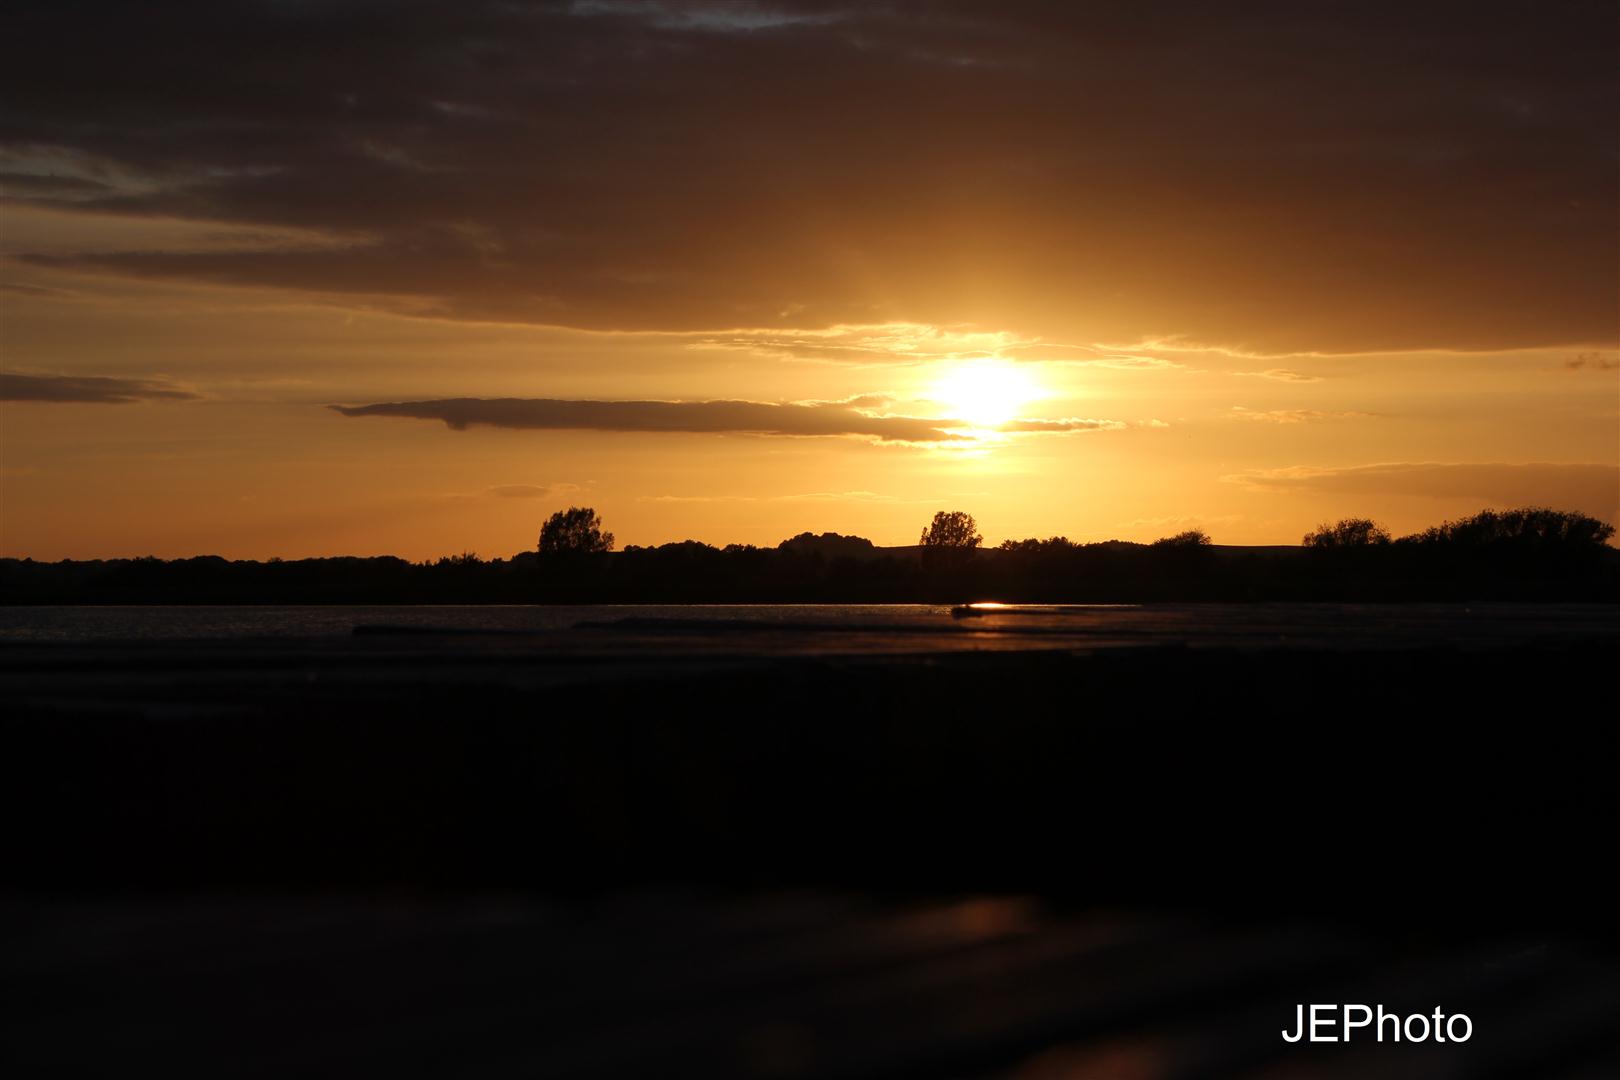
(1032, 546)
(1347, 533)
(1192, 539)
(1529, 527)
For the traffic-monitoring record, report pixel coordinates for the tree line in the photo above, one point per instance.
(1523, 554)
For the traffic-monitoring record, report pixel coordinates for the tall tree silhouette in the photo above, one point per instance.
(951, 529)
(948, 546)
(575, 531)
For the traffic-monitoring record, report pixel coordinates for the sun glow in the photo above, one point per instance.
(985, 393)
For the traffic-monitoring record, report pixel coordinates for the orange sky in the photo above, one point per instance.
(730, 272)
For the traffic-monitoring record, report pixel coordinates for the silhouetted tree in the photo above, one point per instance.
(951, 529)
(947, 549)
(1347, 533)
(575, 531)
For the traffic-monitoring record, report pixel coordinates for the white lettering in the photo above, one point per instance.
(1299, 1026)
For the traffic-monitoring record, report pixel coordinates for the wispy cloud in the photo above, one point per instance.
(715, 16)
(1066, 426)
(1591, 361)
(36, 292)
(1294, 416)
(901, 343)
(808, 496)
(874, 343)
(531, 491)
(89, 390)
(516, 491)
(1281, 375)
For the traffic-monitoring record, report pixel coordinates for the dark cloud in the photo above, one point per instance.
(1594, 488)
(712, 417)
(88, 390)
(1282, 175)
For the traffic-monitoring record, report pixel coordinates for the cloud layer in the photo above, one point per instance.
(1288, 176)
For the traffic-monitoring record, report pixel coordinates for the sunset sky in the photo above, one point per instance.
(306, 277)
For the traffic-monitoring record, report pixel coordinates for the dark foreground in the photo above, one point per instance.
(997, 848)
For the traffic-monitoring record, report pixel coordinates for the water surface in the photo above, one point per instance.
(857, 627)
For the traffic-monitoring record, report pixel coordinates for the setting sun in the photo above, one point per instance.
(986, 393)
